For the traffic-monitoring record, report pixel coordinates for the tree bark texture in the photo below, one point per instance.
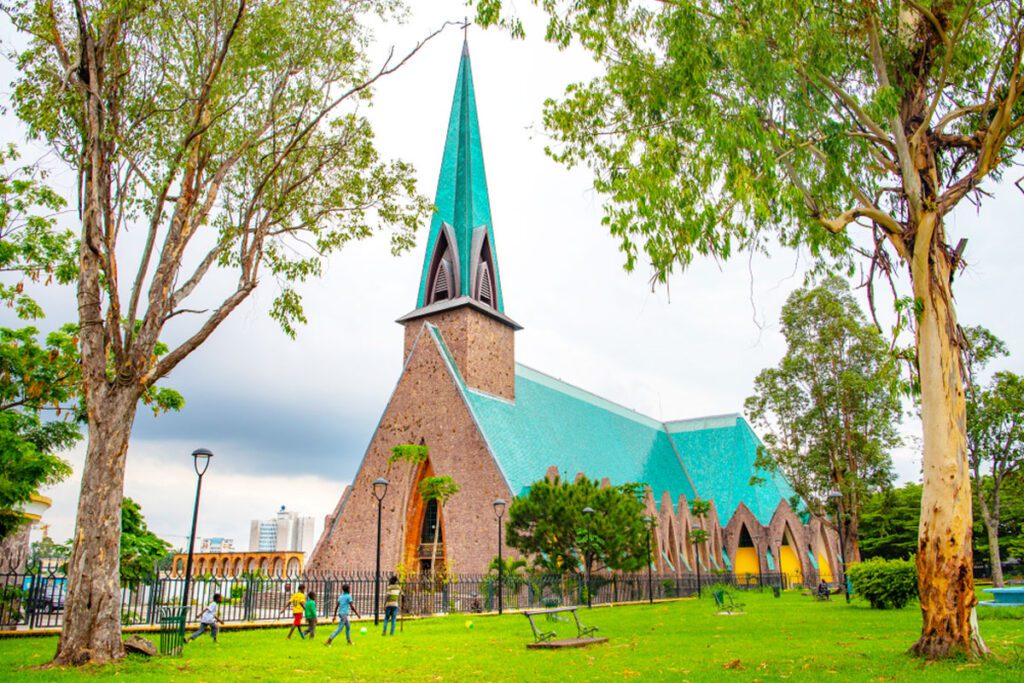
(92, 613)
(944, 559)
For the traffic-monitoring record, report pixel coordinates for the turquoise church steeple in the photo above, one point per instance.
(461, 261)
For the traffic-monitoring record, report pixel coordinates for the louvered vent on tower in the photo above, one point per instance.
(442, 282)
(484, 289)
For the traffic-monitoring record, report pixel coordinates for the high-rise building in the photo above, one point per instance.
(287, 531)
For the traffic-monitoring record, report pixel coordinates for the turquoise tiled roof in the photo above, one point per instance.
(719, 454)
(555, 423)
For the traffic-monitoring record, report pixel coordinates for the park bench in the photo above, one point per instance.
(546, 639)
(724, 603)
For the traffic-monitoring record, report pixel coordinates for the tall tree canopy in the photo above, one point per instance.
(848, 129)
(228, 134)
(35, 378)
(889, 522)
(548, 524)
(829, 412)
(995, 443)
(141, 549)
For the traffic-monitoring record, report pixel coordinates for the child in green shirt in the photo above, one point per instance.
(310, 611)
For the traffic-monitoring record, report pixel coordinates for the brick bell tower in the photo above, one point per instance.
(460, 288)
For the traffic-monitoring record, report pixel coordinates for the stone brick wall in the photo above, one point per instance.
(427, 406)
(483, 348)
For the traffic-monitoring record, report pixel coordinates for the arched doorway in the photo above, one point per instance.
(747, 564)
(789, 560)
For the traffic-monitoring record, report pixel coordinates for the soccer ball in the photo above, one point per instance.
(363, 630)
(469, 624)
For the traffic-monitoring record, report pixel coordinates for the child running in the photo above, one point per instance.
(208, 620)
(310, 614)
(298, 604)
(344, 605)
(391, 604)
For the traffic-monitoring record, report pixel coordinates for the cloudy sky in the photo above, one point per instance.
(289, 421)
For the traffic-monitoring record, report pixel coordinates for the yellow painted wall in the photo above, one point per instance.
(790, 564)
(824, 569)
(746, 562)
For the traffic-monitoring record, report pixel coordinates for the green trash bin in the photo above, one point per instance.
(172, 630)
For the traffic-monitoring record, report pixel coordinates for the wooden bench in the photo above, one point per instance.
(546, 639)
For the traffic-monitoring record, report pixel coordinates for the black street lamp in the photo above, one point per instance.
(588, 512)
(200, 460)
(840, 523)
(380, 489)
(649, 521)
(499, 512)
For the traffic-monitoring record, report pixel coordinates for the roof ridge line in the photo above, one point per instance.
(600, 398)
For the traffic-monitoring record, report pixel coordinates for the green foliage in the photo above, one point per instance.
(886, 584)
(11, 599)
(548, 525)
(717, 127)
(440, 488)
(831, 408)
(889, 523)
(410, 453)
(141, 549)
(32, 250)
(1010, 525)
(33, 379)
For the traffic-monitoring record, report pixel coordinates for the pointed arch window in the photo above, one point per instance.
(484, 285)
(443, 282)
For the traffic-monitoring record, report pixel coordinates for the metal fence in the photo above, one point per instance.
(33, 600)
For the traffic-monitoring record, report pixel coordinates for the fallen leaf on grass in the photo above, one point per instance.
(967, 666)
(734, 664)
(629, 672)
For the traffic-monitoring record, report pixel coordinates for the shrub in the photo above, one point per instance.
(886, 584)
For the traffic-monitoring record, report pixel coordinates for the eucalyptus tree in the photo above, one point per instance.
(850, 130)
(830, 411)
(215, 135)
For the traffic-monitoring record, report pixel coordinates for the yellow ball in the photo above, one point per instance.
(469, 624)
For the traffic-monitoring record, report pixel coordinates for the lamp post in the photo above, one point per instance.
(840, 523)
(649, 521)
(698, 532)
(380, 489)
(588, 512)
(499, 512)
(200, 460)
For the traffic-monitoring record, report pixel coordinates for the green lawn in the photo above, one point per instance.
(790, 638)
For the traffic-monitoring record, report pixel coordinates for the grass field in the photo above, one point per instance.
(789, 638)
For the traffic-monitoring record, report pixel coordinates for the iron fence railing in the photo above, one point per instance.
(33, 600)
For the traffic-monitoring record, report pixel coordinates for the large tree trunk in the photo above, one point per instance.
(92, 616)
(944, 559)
(852, 548)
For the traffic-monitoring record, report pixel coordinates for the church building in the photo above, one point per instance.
(496, 426)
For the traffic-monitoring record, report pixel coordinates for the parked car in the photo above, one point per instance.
(45, 594)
